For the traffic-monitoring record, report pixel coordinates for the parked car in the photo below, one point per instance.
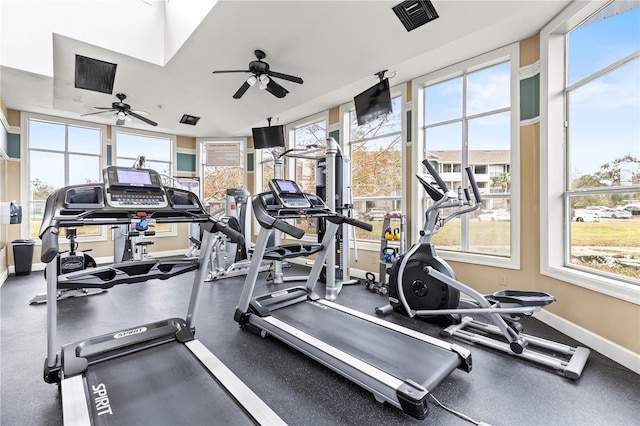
(633, 208)
(584, 215)
(615, 213)
(494, 215)
(375, 214)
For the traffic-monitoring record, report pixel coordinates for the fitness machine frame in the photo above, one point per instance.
(125, 195)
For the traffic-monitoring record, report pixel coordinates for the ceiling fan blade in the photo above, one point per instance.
(141, 118)
(245, 86)
(276, 90)
(139, 111)
(98, 112)
(228, 71)
(285, 76)
(107, 108)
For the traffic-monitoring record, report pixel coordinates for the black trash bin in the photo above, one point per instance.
(22, 255)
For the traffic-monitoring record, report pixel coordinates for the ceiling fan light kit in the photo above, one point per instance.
(123, 112)
(264, 76)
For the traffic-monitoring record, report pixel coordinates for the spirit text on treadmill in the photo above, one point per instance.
(129, 332)
(102, 399)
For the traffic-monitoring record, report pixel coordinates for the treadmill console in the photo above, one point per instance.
(129, 187)
(289, 194)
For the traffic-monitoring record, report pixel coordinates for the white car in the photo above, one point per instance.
(494, 216)
(584, 215)
(615, 213)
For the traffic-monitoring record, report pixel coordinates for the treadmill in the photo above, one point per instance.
(155, 373)
(398, 365)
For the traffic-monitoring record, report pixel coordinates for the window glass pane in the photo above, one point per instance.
(488, 89)
(84, 140)
(47, 173)
(376, 160)
(309, 137)
(46, 135)
(217, 179)
(84, 169)
(604, 130)
(268, 156)
(443, 101)
(604, 233)
(603, 39)
(152, 148)
(444, 138)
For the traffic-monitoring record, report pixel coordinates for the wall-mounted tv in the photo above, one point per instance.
(373, 102)
(268, 137)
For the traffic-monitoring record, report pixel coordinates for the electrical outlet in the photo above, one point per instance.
(502, 280)
(374, 259)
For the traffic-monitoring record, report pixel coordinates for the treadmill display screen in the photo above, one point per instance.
(133, 177)
(287, 186)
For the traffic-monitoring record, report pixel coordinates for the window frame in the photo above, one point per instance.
(173, 228)
(553, 243)
(201, 142)
(511, 53)
(345, 110)
(25, 167)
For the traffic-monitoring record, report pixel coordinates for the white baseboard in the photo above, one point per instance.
(3, 276)
(611, 350)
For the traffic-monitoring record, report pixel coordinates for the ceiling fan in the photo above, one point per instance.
(122, 112)
(263, 76)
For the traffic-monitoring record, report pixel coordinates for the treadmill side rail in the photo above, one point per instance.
(252, 404)
(75, 410)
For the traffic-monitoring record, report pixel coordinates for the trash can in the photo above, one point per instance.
(22, 256)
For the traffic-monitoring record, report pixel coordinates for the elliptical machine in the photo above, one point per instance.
(69, 261)
(228, 258)
(424, 285)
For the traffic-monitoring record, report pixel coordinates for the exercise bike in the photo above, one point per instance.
(421, 284)
(69, 261)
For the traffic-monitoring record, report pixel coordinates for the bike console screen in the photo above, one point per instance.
(129, 187)
(288, 193)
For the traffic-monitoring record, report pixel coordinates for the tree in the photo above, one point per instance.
(40, 190)
(621, 171)
(502, 181)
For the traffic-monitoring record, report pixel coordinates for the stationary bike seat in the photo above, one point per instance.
(522, 298)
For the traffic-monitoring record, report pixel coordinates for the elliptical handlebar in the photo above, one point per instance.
(436, 176)
(474, 185)
(443, 199)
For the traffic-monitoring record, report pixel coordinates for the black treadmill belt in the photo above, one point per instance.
(165, 385)
(397, 354)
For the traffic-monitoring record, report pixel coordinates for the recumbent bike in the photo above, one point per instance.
(422, 284)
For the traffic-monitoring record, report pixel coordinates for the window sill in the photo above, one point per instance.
(480, 259)
(607, 286)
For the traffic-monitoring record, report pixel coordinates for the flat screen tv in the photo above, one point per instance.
(373, 102)
(268, 137)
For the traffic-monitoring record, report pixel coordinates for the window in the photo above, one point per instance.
(595, 173)
(157, 151)
(60, 154)
(309, 140)
(467, 116)
(222, 167)
(376, 166)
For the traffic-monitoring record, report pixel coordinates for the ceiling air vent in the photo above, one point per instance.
(415, 13)
(96, 75)
(189, 119)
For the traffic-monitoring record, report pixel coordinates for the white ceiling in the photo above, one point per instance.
(335, 46)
